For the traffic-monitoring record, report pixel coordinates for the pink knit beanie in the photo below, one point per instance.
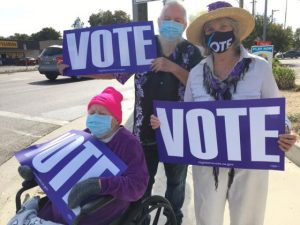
(111, 99)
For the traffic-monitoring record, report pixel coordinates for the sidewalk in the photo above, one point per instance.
(283, 206)
(14, 69)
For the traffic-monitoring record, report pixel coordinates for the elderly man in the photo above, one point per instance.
(166, 81)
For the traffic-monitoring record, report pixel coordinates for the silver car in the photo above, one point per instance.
(48, 61)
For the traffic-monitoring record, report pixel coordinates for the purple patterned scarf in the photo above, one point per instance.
(221, 90)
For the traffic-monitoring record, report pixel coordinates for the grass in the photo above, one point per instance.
(293, 107)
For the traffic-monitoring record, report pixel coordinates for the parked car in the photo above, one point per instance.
(291, 54)
(26, 61)
(48, 61)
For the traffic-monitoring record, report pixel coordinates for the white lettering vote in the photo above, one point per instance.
(89, 151)
(140, 44)
(47, 159)
(100, 44)
(174, 143)
(123, 41)
(259, 133)
(221, 46)
(208, 148)
(233, 138)
(97, 170)
(78, 54)
(209, 125)
(56, 151)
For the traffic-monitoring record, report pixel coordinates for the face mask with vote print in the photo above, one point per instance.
(219, 42)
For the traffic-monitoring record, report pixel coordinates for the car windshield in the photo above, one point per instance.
(52, 51)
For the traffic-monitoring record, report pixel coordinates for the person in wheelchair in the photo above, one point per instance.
(103, 122)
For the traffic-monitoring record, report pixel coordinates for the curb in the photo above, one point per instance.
(8, 70)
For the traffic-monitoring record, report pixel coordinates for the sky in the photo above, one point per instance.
(30, 16)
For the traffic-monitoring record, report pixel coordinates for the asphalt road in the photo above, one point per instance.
(31, 106)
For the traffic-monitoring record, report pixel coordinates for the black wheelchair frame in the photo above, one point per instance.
(137, 214)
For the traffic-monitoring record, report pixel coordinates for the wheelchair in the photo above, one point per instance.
(156, 207)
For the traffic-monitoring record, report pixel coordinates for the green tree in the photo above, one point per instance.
(18, 36)
(282, 39)
(297, 39)
(47, 33)
(107, 17)
(78, 23)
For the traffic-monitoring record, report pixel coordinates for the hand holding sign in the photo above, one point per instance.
(107, 49)
(25, 172)
(154, 121)
(83, 190)
(240, 133)
(286, 141)
(62, 67)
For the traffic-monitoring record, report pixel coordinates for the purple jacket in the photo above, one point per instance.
(128, 187)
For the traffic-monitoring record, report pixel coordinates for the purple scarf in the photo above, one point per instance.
(221, 90)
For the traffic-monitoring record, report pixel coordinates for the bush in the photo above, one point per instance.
(297, 88)
(276, 62)
(285, 77)
(295, 119)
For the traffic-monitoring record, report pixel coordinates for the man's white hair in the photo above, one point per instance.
(173, 3)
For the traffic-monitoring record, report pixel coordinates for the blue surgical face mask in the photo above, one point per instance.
(219, 42)
(170, 30)
(99, 125)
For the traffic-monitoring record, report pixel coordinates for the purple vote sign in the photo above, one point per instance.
(117, 48)
(238, 133)
(61, 163)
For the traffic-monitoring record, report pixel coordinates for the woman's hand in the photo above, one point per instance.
(61, 67)
(286, 141)
(154, 121)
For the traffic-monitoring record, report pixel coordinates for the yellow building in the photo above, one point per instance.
(12, 50)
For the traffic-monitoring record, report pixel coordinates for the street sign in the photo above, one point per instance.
(265, 51)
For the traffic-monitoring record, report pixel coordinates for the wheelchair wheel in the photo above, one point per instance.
(154, 207)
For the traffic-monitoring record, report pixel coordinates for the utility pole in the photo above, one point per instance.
(265, 21)
(139, 10)
(253, 7)
(286, 4)
(273, 10)
(241, 5)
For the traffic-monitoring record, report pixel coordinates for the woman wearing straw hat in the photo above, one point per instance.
(229, 72)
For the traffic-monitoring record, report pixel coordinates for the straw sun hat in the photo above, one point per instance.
(218, 10)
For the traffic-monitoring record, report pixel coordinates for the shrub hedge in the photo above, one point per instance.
(285, 77)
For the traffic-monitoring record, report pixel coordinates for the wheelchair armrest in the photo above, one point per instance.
(93, 206)
(97, 204)
(26, 185)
